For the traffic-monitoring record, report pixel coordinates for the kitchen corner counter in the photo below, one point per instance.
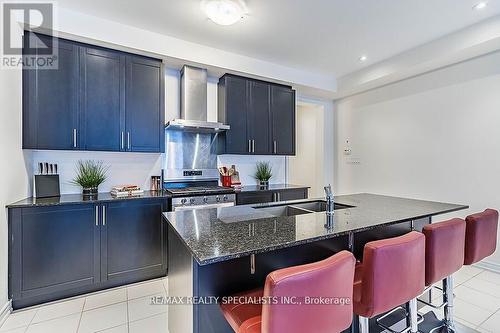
(68, 199)
(272, 187)
(215, 235)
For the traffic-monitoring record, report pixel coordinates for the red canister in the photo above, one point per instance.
(226, 181)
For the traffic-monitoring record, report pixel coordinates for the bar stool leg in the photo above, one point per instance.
(448, 299)
(413, 316)
(364, 324)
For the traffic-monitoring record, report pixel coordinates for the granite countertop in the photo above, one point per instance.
(67, 199)
(214, 235)
(272, 187)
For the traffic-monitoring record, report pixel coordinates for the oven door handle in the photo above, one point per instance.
(216, 205)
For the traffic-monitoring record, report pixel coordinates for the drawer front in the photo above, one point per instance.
(295, 194)
(254, 198)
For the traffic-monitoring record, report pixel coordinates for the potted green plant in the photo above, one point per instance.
(263, 173)
(89, 175)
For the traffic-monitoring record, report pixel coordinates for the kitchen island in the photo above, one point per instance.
(220, 252)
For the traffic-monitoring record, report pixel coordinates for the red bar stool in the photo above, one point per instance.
(480, 236)
(444, 255)
(329, 279)
(392, 274)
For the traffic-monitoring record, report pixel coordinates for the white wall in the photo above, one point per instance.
(246, 167)
(329, 148)
(13, 165)
(307, 166)
(124, 168)
(435, 137)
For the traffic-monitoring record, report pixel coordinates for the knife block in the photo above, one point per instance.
(46, 186)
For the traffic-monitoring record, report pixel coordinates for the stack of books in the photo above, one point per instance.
(126, 190)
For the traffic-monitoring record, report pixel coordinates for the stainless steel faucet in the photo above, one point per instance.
(329, 199)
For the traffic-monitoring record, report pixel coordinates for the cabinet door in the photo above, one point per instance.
(294, 194)
(54, 250)
(258, 117)
(236, 99)
(133, 243)
(283, 120)
(50, 103)
(254, 197)
(101, 98)
(144, 116)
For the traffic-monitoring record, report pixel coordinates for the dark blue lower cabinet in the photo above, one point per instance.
(264, 196)
(63, 251)
(133, 241)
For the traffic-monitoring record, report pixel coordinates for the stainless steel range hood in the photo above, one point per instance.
(194, 103)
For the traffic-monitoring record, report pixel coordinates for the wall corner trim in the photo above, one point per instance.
(5, 312)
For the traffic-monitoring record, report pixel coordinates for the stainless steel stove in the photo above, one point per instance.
(195, 197)
(200, 190)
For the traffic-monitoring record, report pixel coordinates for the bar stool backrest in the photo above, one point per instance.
(480, 236)
(444, 249)
(329, 280)
(393, 272)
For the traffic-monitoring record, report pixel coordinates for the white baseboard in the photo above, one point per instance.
(488, 265)
(5, 311)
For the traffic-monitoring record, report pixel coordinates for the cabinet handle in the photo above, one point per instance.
(249, 146)
(253, 146)
(128, 140)
(123, 140)
(97, 216)
(74, 138)
(278, 195)
(103, 215)
(252, 264)
(275, 147)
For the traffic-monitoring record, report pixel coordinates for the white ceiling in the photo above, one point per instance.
(323, 36)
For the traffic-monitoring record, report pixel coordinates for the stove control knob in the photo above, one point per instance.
(217, 198)
(225, 198)
(183, 201)
(191, 201)
(205, 199)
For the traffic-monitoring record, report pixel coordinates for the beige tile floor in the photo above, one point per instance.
(129, 310)
(121, 310)
(477, 301)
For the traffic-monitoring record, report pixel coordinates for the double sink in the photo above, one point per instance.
(300, 208)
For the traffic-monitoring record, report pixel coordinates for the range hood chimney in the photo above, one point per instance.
(194, 103)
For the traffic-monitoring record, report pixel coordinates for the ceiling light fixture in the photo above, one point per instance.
(224, 12)
(480, 5)
(363, 58)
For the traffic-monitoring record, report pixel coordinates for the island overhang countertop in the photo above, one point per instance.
(218, 234)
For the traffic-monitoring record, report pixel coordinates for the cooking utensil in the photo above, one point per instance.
(40, 168)
(55, 168)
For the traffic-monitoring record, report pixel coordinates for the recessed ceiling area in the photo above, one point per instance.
(322, 36)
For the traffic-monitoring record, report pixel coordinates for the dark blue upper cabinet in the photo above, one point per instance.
(258, 117)
(50, 106)
(101, 92)
(233, 94)
(283, 120)
(261, 115)
(144, 116)
(99, 99)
